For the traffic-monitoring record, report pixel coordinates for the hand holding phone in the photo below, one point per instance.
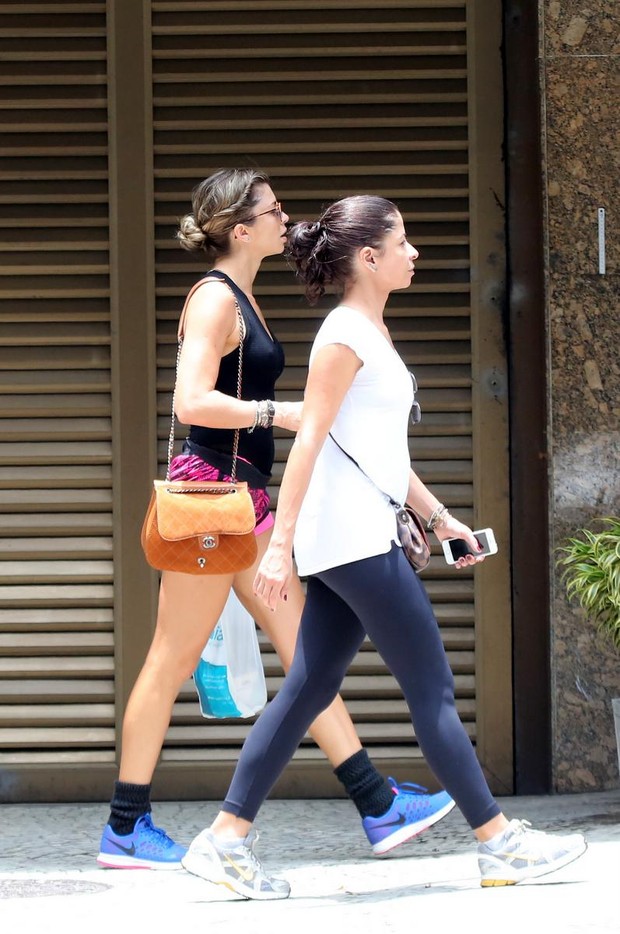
(455, 548)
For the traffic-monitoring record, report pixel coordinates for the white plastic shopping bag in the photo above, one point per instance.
(246, 676)
(229, 677)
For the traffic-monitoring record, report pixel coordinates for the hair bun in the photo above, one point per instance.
(190, 235)
(323, 251)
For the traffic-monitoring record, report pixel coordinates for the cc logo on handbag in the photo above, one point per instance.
(209, 541)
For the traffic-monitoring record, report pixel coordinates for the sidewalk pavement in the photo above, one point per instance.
(49, 878)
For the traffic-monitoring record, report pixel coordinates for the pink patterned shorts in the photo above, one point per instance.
(192, 467)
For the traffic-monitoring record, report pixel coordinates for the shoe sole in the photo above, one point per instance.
(409, 831)
(203, 868)
(522, 875)
(107, 861)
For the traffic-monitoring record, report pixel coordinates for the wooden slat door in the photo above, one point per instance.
(56, 586)
(333, 99)
(111, 113)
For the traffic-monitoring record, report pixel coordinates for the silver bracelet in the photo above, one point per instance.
(265, 414)
(438, 517)
(255, 423)
(271, 413)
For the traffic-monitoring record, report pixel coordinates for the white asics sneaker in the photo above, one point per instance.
(523, 853)
(233, 864)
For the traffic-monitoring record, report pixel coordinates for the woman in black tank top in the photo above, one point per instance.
(263, 362)
(236, 221)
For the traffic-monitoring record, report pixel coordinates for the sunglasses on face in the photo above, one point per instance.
(277, 210)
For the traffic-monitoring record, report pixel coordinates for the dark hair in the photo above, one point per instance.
(220, 202)
(323, 251)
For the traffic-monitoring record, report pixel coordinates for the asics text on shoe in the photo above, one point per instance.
(233, 864)
(524, 853)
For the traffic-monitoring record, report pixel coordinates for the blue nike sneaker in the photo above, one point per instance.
(148, 847)
(412, 812)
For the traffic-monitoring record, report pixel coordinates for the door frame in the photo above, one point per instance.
(529, 452)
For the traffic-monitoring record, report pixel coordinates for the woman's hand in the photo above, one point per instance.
(455, 529)
(288, 415)
(274, 575)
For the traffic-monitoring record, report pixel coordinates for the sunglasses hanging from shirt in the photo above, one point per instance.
(416, 411)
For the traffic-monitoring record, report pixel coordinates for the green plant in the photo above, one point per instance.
(591, 573)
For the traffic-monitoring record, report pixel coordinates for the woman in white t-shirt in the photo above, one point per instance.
(349, 458)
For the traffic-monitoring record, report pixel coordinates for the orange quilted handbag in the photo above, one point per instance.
(199, 527)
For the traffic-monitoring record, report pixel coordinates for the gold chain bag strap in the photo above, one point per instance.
(198, 527)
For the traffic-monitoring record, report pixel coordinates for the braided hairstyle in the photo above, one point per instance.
(219, 203)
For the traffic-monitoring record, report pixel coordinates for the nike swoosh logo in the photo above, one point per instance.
(129, 850)
(395, 823)
(246, 874)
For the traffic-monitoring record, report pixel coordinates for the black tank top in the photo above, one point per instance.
(263, 362)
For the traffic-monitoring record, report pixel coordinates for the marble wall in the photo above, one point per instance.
(580, 45)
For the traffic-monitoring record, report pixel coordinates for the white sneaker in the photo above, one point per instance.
(234, 865)
(523, 853)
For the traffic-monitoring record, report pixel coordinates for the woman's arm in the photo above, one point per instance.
(331, 374)
(420, 498)
(211, 332)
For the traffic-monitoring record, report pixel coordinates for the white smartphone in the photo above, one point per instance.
(455, 548)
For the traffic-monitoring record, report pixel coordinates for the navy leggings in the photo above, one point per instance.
(382, 597)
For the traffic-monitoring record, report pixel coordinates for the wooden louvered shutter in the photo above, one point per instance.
(56, 593)
(332, 99)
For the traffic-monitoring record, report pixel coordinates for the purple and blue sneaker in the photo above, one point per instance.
(412, 812)
(148, 847)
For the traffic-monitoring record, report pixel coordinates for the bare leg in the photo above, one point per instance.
(189, 608)
(491, 828)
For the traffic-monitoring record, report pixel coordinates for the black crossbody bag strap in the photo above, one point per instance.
(392, 501)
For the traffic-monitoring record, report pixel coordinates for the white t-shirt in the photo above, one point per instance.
(345, 516)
